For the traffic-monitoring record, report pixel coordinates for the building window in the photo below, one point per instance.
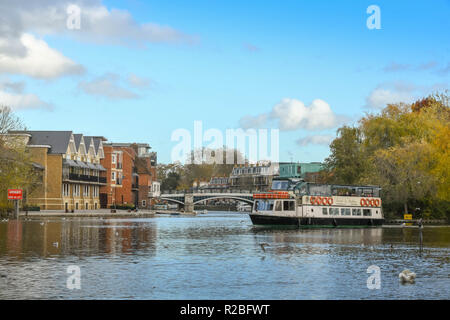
(76, 190)
(87, 206)
(76, 206)
(86, 191)
(144, 203)
(113, 176)
(66, 189)
(95, 191)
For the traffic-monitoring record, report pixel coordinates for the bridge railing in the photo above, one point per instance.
(196, 190)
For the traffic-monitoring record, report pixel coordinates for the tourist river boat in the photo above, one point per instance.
(294, 202)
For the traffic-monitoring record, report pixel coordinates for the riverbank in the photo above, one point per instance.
(88, 213)
(415, 222)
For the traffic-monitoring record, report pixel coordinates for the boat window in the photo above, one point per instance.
(280, 185)
(356, 212)
(289, 205)
(325, 211)
(334, 211)
(278, 206)
(367, 212)
(345, 211)
(264, 205)
(292, 205)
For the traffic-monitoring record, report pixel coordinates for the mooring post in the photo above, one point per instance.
(16, 208)
(420, 234)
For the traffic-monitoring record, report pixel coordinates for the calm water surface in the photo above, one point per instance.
(215, 256)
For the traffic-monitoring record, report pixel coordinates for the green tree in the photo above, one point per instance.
(405, 149)
(347, 162)
(16, 167)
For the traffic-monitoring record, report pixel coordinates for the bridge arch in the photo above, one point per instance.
(172, 200)
(225, 197)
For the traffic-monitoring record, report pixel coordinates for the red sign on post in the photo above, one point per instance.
(14, 194)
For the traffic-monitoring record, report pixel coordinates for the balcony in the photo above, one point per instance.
(84, 178)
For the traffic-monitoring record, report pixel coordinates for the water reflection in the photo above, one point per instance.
(215, 256)
(75, 236)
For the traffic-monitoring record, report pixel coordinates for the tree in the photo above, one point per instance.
(346, 162)
(404, 148)
(16, 167)
(404, 173)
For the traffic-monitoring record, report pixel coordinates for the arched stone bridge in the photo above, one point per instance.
(188, 200)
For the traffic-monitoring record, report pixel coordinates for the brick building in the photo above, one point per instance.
(131, 174)
(119, 164)
(71, 171)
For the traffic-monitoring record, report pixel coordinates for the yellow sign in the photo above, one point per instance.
(407, 217)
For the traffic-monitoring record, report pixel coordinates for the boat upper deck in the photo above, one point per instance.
(300, 187)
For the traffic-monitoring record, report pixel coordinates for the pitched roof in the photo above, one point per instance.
(77, 137)
(57, 140)
(87, 142)
(96, 142)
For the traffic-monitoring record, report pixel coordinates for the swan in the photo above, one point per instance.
(407, 276)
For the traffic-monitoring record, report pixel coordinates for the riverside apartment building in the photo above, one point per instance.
(71, 171)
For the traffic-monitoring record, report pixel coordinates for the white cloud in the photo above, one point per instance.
(138, 82)
(22, 101)
(293, 114)
(381, 97)
(434, 66)
(11, 95)
(250, 47)
(258, 121)
(396, 92)
(24, 24)
(119, 27)
(98, 23)
(107, 86)
(16, 87)
(317, 139)
(40, 61)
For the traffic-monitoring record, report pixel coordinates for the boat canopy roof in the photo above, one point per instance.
(301, 187)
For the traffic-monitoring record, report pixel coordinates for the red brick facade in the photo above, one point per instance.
(119, 163)
(129, 175)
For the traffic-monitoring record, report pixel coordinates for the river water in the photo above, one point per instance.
(218, 255)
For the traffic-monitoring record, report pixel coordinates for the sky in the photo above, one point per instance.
(137, 71)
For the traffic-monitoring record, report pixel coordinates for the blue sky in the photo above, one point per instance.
(222, 61)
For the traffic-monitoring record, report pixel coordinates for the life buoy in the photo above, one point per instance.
(312, 200)
(377, 202)
(319, 200)
(363, 203)
(330, 201)
(372, 202)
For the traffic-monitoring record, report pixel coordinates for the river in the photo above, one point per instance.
(218, 255)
